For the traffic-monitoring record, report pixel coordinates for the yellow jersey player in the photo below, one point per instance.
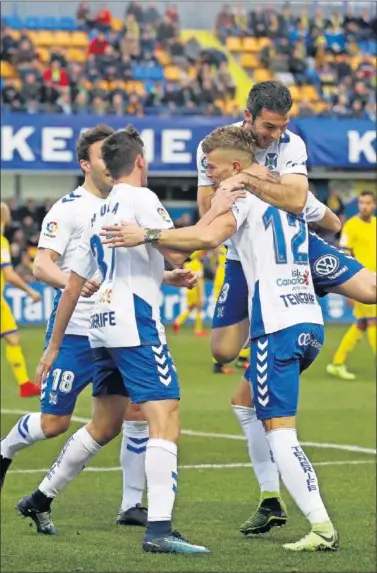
(359, 238)
(9, 329)
(195, 296)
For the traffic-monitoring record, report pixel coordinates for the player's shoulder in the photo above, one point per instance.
(290, 139)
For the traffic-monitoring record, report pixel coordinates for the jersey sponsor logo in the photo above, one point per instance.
(326, 265)
(297, 278)
(102, 319)
(164, 214)
(295, 164)
(271, 161)
(305, 339)
(297, 298)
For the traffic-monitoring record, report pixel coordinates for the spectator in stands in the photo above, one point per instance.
(11, 97)
(117, 104)
(98, 44)
(370, 111)
(148, 38)
(155, 98)
(131, 39)
(342, 107)
(31, 93)
(99, 105)
(125, 67)
(298, 66)
(165, 31)
(223, 77)
(103, 19)
(212, 110)
(8, 45)
(306, 109)
(151, 15)
(55, 77)
(240, 19)
(24, 269)
(58, 54)
(135, 106)
(83, 16)
(25, 54)
(136, 10)
(258, 24)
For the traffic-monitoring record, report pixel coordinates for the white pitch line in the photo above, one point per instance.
(344, 447)
(200, 467)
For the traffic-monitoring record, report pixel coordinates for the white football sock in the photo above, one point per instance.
(132, 459)
(25, 433)
(297, 474)
(264, 467)
(76, 453)
(161, 471)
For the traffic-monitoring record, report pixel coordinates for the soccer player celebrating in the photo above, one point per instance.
(359, 238)
(9, 329)
(286, 324)
(130, 354)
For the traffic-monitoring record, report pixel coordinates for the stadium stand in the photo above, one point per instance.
(145, 64)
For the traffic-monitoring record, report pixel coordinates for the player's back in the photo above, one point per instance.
(4, 261)
(127, 311)
(62, 231)
(273, 249)
(360, 237)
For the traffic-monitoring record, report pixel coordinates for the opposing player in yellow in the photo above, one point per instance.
(9, 329)
(195, 296)
(359, 238)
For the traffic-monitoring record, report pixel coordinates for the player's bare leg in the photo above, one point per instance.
(132, 459)
(181, 318)
(226, 343)
(301, 481)
(106, 423)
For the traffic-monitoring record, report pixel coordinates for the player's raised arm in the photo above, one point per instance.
(319, 214)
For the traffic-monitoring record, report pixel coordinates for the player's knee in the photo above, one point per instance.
(242, 396)
(53, 426)
(279, 423)
(103, 433)
(13, 339)
(362, 324)
(163, 419)
(223, 351)
(134, 413)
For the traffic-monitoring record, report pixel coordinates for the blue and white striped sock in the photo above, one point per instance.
(25, 433)
(132, 459)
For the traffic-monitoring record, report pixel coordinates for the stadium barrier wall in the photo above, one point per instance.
(173, 301)
(46, 143)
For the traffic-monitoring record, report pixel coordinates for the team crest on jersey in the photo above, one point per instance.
(164, 214)
(271, 161)
(204, 163)
(53, 398)
(106, 296)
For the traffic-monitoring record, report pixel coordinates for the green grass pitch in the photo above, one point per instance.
(211, 502)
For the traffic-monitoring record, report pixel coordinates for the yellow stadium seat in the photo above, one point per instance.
(172, 73)
(117, 24)
(17, 84)
(192, 72)
(15, 34)
(309, 92)
(295, 93)
(251, 44)
(79, 40)
(294, 110)
(163, 57)
(249, 61)
(44, 38)
(63, 39)
(44, 55)
(262, 75)
(234, 44)
(7, 70)
(263, 42)
(76, 55)
(320, 106)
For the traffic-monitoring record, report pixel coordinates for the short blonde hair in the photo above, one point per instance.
(231, 137)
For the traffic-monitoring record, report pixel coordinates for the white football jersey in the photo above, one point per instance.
(272, 246)
(288, 155)
(127, 309)
(62, 230)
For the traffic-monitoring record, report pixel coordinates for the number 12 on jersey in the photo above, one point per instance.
(99, 254)
(272, 217)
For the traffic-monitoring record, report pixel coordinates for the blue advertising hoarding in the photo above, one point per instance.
(173, 301)
(47, 142)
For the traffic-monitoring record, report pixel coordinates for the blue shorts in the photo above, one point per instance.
(276, 361)
(330, 267)
(145, 373)
(232, 304)
(71, 373)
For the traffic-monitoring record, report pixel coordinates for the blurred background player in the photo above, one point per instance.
(9, 328)
(195, 296)
(359, 238)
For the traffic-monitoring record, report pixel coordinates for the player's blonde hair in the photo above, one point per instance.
(232, 138)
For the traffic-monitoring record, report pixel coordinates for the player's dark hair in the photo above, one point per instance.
(89, 137)
(271, 95)
(120, 150)
(368, 194)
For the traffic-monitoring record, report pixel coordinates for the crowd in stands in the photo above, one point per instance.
(98, 64)
(334, 53)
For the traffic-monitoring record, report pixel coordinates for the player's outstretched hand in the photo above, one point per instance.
(123, 235)
(34, 295)
(225, 197)
(45, 364)
(183, 278)
(90, 288)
